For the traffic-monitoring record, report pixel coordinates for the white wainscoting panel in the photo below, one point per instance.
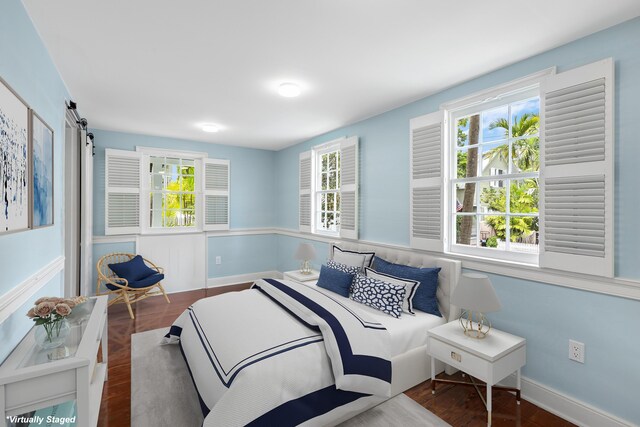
(182, 256)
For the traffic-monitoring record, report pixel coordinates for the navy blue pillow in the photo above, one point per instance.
(133, 270)
(335, 280)
(425, 297)
(142, 283)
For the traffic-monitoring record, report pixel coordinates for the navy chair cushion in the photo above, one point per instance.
(425, 297)
(142, 283)
(335, 280)
(133, 270)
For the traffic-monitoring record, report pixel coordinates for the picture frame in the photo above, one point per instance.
(15, 161)
(42, 145)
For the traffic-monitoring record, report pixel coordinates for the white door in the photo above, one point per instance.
(71, 208)
(86, 213)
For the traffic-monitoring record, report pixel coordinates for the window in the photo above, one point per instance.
(172, 195)
(327, 190)
(162, 191)
(495, 139)
(523, 172)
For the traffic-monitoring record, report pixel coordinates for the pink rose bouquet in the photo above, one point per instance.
(51, 311)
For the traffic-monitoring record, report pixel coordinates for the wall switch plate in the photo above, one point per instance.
(218, 260)
(576, 351)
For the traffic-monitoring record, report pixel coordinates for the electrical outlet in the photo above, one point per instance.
(218, 260)
(576, 351)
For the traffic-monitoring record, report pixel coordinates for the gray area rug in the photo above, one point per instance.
(163, 394)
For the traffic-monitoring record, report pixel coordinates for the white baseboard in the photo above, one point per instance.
(214, 282)
(11, 301)
(566, 407)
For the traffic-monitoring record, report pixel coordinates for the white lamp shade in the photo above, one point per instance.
(475, 292)
(305, 252)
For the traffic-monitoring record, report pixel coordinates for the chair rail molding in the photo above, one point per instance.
(617, 286)
(12, 300)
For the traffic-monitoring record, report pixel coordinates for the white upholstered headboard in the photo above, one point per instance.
(447, 278)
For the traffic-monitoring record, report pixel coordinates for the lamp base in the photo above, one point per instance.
(305, 268)
(475, 324)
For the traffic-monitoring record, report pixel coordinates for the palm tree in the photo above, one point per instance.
(525, 151)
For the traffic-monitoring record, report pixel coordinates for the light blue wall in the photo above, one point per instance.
(252, 201)
(548, 316)
(242, 254)
(287, 246)
(16, 326)
(384, 145)
(26, 66)
(252, 189)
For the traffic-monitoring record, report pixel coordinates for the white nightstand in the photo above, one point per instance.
(296, 276)
(491, 359)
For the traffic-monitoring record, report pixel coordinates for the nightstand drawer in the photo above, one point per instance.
(460, 359)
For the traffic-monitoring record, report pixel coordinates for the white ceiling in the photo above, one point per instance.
(162, 67)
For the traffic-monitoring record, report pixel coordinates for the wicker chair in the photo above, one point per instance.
(120, 287)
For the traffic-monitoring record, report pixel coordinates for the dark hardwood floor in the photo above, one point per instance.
(458, 405)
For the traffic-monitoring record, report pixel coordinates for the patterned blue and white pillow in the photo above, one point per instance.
(377, 294)
(342, 267)
(411, 286)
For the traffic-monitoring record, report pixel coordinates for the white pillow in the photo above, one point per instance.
(368, 256)
(350, 259)
(411, 286)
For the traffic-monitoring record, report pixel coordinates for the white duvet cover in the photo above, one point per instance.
(283, 354)
(407, 332)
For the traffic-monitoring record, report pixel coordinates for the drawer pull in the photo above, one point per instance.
(456, 356)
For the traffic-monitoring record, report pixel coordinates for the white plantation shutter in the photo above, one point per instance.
(349, 188)
(216, 194)
(426, 197)
(577, 155)
(304, 188)
(123, 170)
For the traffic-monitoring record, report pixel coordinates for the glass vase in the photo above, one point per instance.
(52, 335)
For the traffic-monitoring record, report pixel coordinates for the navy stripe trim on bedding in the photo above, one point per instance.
(205, 409)
(297, 411)
(365, 323)
(240, 366)
(282, 306)
(175, 331)
(352, 364)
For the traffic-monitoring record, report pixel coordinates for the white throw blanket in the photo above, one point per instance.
(282, 354)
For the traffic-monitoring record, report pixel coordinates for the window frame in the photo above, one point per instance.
(146, 191)
(517, 90)
(153, 192)
(316, 170)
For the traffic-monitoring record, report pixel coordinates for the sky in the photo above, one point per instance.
(519, 108)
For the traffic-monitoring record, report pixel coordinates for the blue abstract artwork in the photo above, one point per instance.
(42, 138)
(14, 162)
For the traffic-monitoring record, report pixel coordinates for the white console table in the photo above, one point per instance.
(29, 380)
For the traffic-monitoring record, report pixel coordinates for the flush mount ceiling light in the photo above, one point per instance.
(211, 128)
(289, 90)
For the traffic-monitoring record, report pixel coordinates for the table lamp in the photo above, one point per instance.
(475, 296)
(305, 253)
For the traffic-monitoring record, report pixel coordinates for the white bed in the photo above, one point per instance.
(413, 366)
(279, 373)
